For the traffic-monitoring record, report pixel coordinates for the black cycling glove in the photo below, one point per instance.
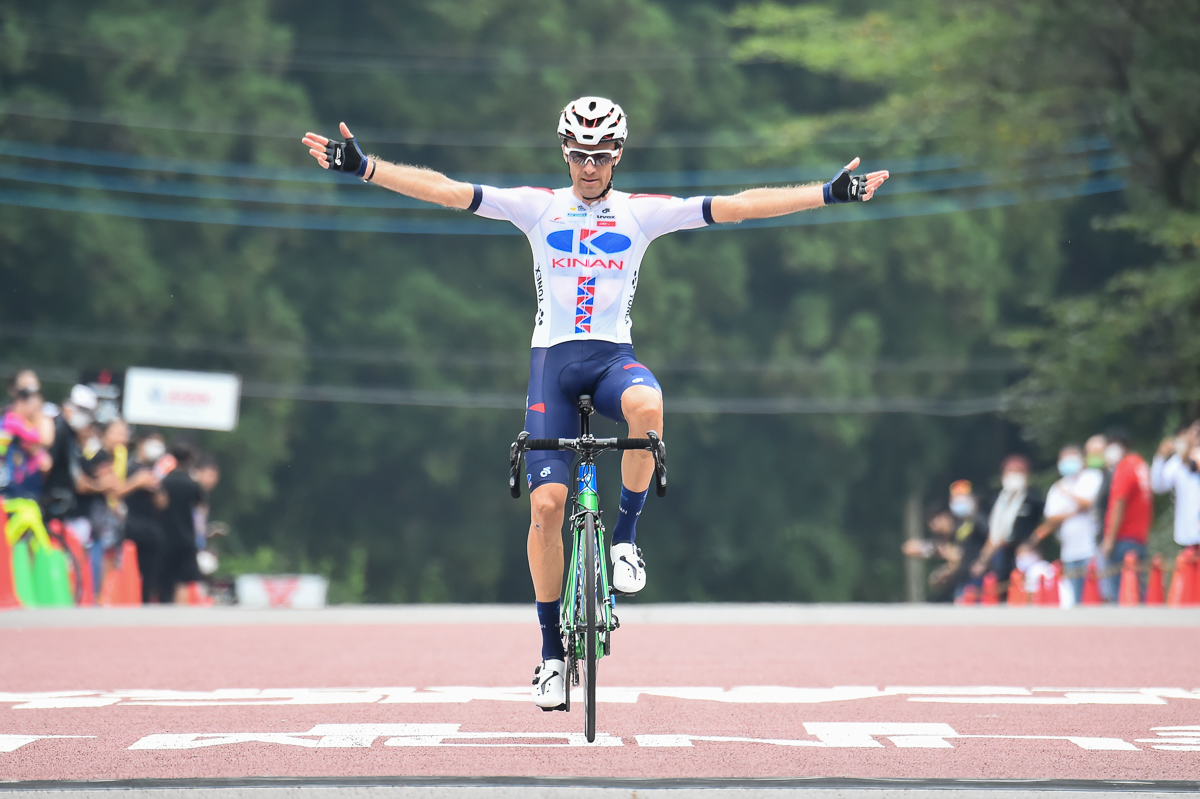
(346, 157)
(845, 188)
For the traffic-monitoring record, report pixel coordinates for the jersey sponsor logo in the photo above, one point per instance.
(585, 298)
(606, 223)
(589, 242)
(585, 263)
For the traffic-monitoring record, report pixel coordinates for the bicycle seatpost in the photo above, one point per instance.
(585, 414)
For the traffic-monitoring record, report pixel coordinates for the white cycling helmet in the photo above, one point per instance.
(592, 120)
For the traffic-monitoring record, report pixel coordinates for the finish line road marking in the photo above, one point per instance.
(11, 743)
(824, 735)
(739, 695)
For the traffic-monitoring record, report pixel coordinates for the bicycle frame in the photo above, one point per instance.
(585, 501)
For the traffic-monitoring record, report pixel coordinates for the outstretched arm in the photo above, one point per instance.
(763, 203)
(411, 181)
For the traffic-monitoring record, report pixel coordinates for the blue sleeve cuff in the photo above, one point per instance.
(707, 209)
(476, 199)
(827, 193)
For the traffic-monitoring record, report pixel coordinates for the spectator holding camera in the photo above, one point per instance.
(1176, 469)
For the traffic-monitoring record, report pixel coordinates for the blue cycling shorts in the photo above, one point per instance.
(557, 376)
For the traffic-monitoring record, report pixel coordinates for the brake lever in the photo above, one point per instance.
(515, 451)
(660, 464)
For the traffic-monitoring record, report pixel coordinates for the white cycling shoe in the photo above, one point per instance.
(629, 570)
(550, 685)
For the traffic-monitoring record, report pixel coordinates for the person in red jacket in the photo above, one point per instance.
(1130, 510)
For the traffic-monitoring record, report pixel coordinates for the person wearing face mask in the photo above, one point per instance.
(1130, 511)
(68, 481)
(1016, 513)
(1175, 469)
(970, 534)
(144, 502)
(1068, 511)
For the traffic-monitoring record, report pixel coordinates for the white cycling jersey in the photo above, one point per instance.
(586, 257)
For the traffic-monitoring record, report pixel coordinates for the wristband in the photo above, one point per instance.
(367, 178)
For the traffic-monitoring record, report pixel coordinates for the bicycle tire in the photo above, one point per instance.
(590, 627)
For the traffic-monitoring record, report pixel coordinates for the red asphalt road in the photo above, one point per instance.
(210, 658)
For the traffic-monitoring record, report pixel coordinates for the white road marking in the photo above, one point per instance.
(11, 743)
(1175, 739)
(736, 695)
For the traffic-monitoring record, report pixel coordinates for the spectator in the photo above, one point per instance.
(942, 579)
(1069, 512)
(1016, 513)
(22, 448)
(1127, 519)
(1032, 566)
(26, 382)
(73, 425)
(75, 479)
(1174, 469)
(144, 503)
(184, 495)
(970, 534)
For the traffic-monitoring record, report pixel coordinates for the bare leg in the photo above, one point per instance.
(547, 505)
(642, 407)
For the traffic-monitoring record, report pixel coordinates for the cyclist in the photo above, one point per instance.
(588, 240)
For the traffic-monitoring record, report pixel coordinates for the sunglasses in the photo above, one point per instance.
(601, 158)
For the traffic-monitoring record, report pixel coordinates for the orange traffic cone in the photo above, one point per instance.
(130, 577)
(1043, 592)
(991, 591)
(1154, 588)
(8, 593)
(1180, 579)
(1130, 592)
(969, 596)
(1195, 581)
(1016, 589)
(1091, 586)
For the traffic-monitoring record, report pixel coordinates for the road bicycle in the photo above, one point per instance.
(588, 602)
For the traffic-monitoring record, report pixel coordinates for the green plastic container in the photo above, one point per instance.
(23, 575)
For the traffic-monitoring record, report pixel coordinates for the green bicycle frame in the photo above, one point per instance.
(586, 501)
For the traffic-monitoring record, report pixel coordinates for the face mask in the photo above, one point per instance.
(1113, 454)
(962, 507)
(78, 421)
(153, 450)
(1014, 481)
(1069, 466)
(1095, 461)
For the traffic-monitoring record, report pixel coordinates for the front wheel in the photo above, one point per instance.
(590, 631)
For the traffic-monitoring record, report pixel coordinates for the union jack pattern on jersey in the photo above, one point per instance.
(586, 257)
(585, 298)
